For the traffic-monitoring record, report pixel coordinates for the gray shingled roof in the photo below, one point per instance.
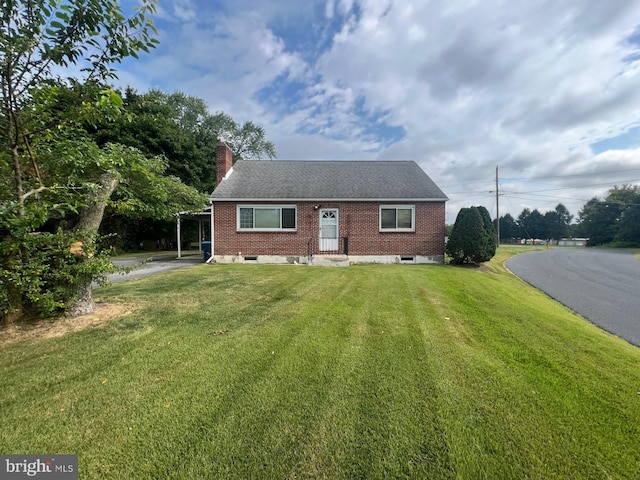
(322, 180)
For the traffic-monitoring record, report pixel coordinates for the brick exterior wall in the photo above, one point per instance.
(358, 221)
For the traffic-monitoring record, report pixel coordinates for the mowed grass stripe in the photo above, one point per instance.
(237, 431)
(316, 437)
(519, 373)
(248, 371)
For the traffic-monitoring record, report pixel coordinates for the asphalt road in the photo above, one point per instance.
(143, 266)
(601, 285)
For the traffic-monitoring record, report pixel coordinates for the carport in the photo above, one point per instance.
(205, 226)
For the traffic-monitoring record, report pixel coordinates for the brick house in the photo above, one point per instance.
(310, 211)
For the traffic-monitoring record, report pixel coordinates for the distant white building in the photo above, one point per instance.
(573, 242)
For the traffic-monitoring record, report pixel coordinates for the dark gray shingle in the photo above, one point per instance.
(320, 180)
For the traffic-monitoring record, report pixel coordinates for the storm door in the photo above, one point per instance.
(328, 230)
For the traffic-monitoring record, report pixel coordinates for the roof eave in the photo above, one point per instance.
(431, 199)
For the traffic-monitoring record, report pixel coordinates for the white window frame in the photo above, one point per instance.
(268, 207)
(396, 207)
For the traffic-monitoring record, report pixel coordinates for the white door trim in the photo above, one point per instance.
(329, 229)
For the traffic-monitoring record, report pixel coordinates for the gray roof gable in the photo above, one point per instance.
(325, 180)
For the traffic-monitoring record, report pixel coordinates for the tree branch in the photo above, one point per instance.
(33, 158)
(32, 192)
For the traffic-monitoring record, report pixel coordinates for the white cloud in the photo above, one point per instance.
(329, 9)
(177, 10)
(525, 85)
(184, 10)
(518, 84)
(222, 59)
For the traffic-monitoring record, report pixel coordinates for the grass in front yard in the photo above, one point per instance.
(403, 371)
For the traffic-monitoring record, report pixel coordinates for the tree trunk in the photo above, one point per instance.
(13, 291)
(91, 215)
(88, 224)
(83, 303)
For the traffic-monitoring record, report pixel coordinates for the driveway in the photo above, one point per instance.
(601, 285)
(140, 267)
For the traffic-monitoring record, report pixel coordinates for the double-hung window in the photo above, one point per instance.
(397, 218)
(267, 217)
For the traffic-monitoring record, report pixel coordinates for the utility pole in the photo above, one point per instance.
(497, 212)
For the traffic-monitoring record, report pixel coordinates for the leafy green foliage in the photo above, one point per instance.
(473, 237)
(508, 227)
(533, 224)
(37, 34)
(557, 223)
(180, 128)
(56, 180)
(72, 169)
(489, 248)
(146, 192)
(47, 274)
(628, 231)
(614, 218)
(73, 163)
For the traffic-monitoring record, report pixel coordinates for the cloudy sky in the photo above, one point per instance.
(547, 90)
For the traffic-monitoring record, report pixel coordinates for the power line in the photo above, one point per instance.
(579, 186)
(515, 195)
(508, 192)
(499, 191)
(547, 177)
(592, 174)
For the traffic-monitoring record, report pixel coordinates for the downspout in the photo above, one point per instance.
(212, 240)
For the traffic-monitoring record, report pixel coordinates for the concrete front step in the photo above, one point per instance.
(330, 260)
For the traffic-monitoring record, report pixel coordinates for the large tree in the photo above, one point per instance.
(557, 222)
(532, 224)
(35, 36)
(180, 127)
(56, 170)
(612, 219)
(508, 228)
(628, 232)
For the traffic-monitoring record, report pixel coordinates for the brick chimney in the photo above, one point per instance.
(224, 161)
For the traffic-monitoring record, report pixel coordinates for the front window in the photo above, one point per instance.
(269, 218)
(397, 218)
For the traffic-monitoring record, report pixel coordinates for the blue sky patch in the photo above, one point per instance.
(369, 126)
(629, 139)
(634, 38)
(309, 39)
(283, 95)
(376, 126)
(386, 134)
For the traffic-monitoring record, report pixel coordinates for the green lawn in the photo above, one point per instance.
(398, 371)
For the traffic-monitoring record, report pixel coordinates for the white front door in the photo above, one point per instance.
(328, 229)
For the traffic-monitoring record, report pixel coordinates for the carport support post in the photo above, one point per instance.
(200, 234)
(178, 237)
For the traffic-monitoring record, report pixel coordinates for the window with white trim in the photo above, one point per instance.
(270, 218)
(397, 218)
